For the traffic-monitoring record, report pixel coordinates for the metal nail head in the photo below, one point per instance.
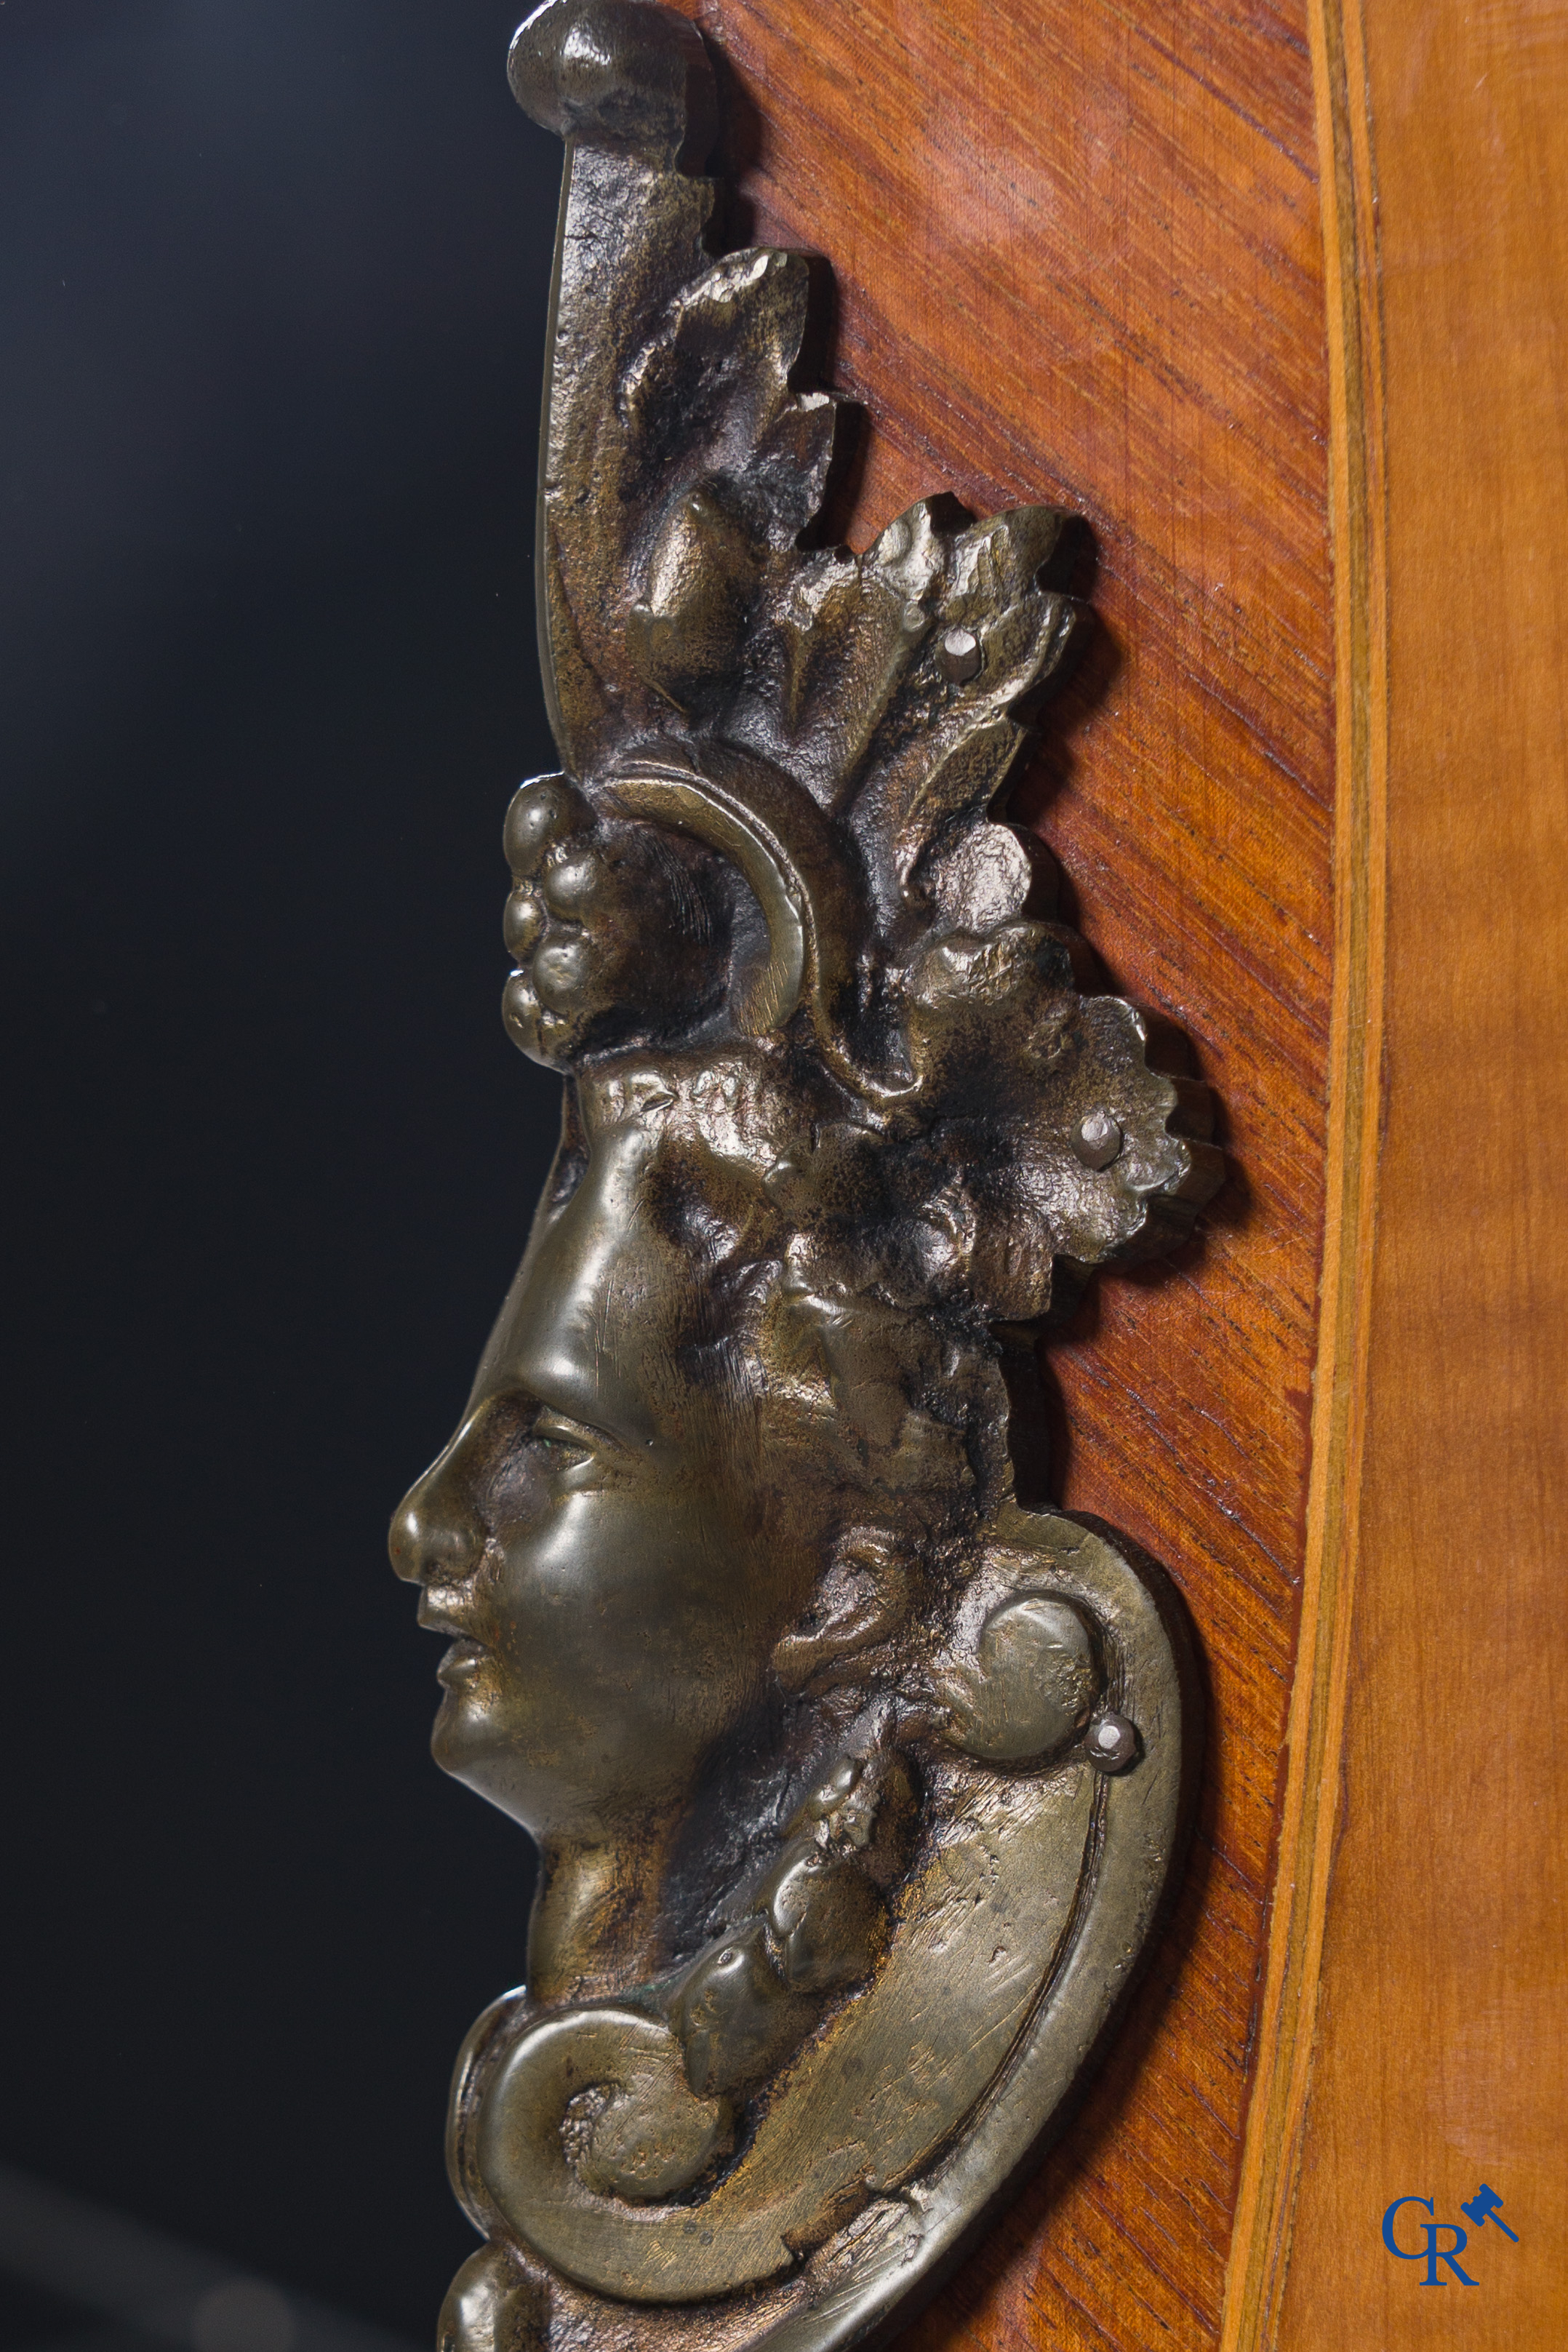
(1112, 1743)
(959, 655)
(1097, 1140)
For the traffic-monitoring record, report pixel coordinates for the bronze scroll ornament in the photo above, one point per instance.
(856, 1785)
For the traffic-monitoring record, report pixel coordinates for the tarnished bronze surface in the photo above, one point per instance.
(857, 1784)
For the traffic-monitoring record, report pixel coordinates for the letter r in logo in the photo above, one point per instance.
(1433, 2231)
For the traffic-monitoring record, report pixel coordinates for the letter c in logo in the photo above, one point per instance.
(1389, 2239)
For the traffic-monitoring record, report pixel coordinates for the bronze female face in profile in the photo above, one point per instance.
(855, 1784)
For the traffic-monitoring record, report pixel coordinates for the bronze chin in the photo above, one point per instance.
(858, 1786)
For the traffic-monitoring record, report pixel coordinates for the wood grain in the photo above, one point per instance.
(1443, 2046)
(1079, 257)
(1310, 1811)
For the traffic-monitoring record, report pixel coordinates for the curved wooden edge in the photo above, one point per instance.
(1260, 2240)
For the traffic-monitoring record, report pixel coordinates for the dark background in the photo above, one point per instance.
(272, 289)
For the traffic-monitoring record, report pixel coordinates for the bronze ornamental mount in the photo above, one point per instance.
(857, 1785)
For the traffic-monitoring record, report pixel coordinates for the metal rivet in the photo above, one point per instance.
(1112, 1743)
(959, 655)
(1097, 1140)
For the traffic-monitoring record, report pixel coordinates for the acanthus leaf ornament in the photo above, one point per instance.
(857, 1785)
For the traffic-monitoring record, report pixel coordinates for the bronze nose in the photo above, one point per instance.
(434, 1537)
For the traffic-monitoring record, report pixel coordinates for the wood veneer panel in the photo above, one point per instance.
(1078, 251)
(1443, 2044)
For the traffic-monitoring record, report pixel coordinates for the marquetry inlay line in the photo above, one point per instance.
(1260, 2243)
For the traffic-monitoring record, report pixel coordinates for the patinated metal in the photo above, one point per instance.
(857, 1785)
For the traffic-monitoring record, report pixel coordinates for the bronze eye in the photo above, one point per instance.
(568, 1442)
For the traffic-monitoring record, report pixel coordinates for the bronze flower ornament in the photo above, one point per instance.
(857, 1784)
